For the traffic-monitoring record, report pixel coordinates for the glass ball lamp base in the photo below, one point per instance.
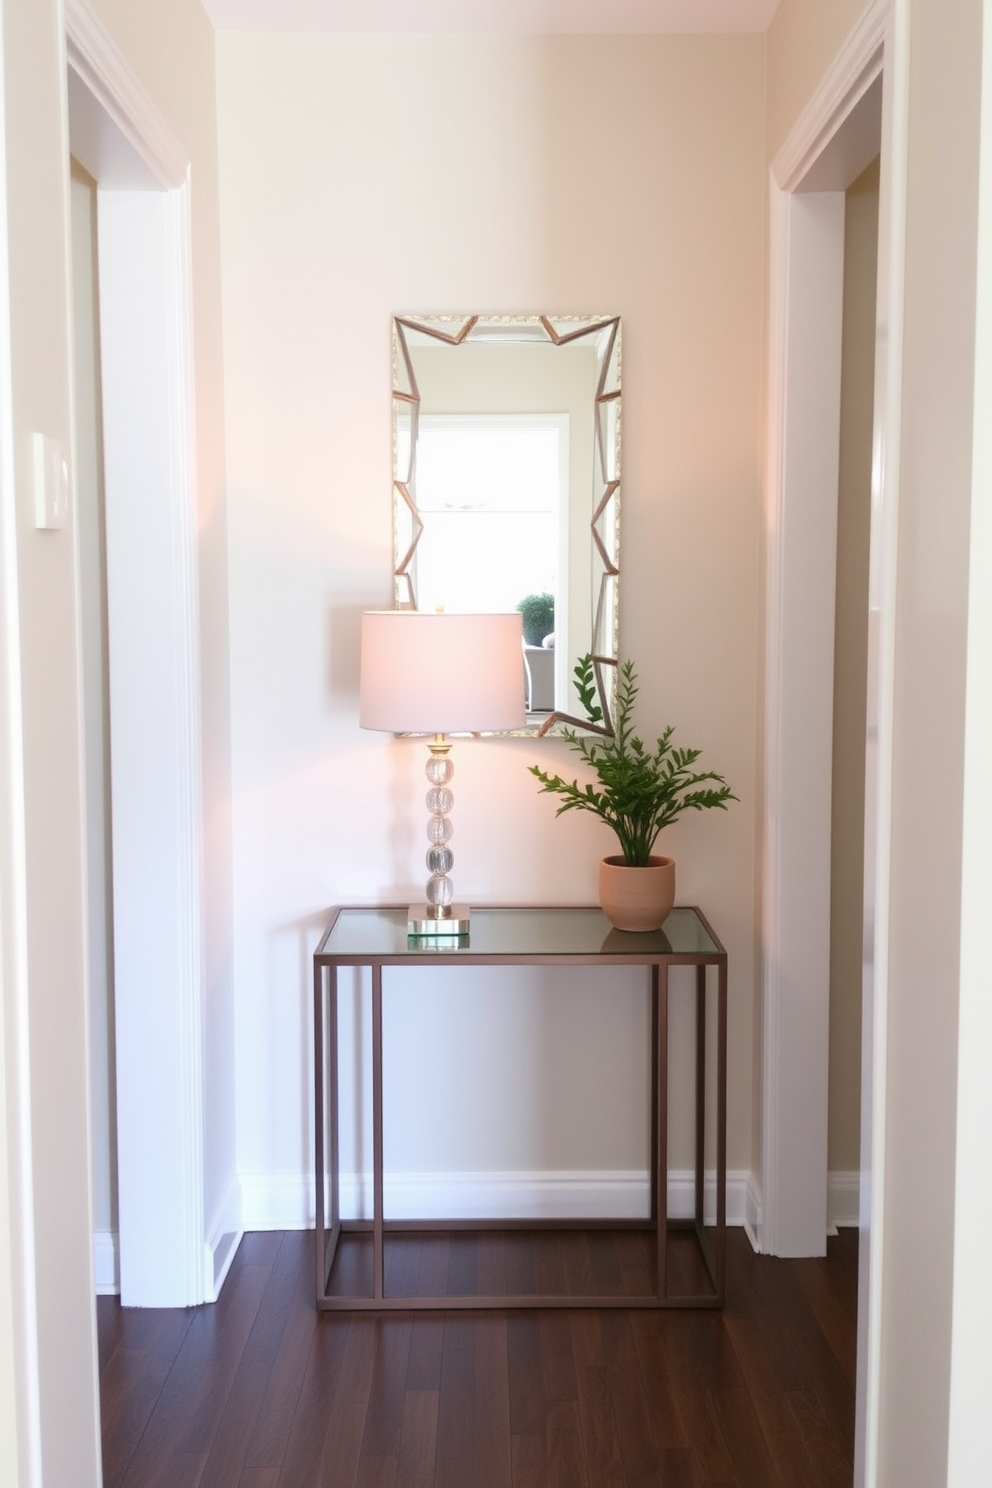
(439, 918)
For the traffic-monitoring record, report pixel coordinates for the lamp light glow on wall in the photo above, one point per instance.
(440, 674)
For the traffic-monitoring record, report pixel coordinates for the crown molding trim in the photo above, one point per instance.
(94, 57)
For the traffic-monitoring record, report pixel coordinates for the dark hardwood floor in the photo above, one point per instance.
(261, 1391)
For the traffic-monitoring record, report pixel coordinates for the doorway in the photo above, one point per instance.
(849, 121)
(140, 175)
(847, 824)
(91, 545)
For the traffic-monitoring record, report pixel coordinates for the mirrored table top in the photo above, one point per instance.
(360, 935)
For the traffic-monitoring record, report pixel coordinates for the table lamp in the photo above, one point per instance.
(440, 674)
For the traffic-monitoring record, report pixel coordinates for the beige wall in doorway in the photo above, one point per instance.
(850, 670)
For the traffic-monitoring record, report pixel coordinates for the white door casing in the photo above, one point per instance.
(141, 172)
(858, 106)
(835, 138)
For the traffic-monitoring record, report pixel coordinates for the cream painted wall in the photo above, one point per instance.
(364, 176)
(803, 38)
(850, 671)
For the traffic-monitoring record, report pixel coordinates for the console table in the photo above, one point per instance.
(377, 937)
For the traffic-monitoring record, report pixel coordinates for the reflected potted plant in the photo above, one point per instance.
(637, 794)
(538, 611)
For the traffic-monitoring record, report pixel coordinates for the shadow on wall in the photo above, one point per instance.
(304, 934)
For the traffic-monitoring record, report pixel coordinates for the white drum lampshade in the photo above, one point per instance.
(441, 673)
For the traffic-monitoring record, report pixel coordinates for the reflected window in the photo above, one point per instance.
(495, 487)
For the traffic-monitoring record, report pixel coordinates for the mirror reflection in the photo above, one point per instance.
(506, 482)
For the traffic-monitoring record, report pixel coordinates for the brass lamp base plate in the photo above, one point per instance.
(424, 921)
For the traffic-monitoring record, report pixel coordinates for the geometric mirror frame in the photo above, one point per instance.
(547, 354)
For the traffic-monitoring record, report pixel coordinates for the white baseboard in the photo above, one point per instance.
(284, 1202)
(277, 1201)
(223, 1239)
(106, 1263)
(280, 1201)
(753, 1220)
(843, 1201)
(220, 1249)
(843, 1206)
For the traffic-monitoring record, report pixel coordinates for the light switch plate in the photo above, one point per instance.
(51, 482)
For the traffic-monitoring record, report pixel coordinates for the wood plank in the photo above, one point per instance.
(832, 1460)
(521, 1263)
(778, 1422)
(463, 1266)
(557, 1360)
(433, 1274)
(229, 1452)
(651, 1341)
(259, 1477)
(426, 1345)
(149, 1330)
(387, 1394)
(184, 1420)
(565, 1452)
(637, 1270)
(529, 1463)
(604, 1261)
(492, 1264)
(402, 1265)
(834, 1306)
(186, 1469)
(635, 1433)
(456, 1406)
(192, 1401)
(376, 1472)
(304, 1447)
(577, 1265)
(603, 1458)
(347, 1407)
(587, 1339)
(745, 1441)
(491, 1445)
(274, 1423)
(698, 1368)
(678, 1468)
(418, 1439)
(527, 1405)
(109, 1328)
(351, 1275)
(549, 1264)
(130, 1386)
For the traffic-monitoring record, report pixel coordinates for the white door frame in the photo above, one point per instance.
(823, 154)
(20, 1407)
(142, 175)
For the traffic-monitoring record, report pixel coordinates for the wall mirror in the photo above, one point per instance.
(506, 487)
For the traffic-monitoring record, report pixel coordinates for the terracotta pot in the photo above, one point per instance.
(636, 898)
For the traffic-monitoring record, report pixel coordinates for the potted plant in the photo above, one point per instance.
(637, 793)
(538, 611)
